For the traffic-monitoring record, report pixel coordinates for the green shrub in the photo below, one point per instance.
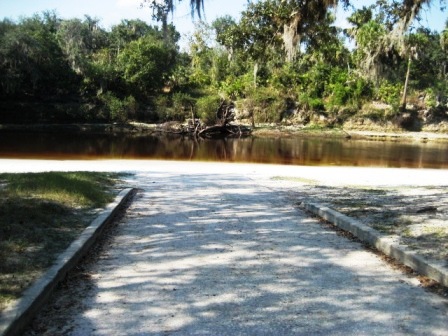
(163, 107)
(267, 104)
(207, 107)
(131, 105)
(317, 104)
(348, 89)
(119, 110)
(389, 93)
(311, 103)
(436, 101)
(183, 105)
(173, 107)
(340, 94)
(237, 87)
(286, 78)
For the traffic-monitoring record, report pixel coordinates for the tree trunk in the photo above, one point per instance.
(255, 74)
(405, 89)
(290, 37)
(255, 87)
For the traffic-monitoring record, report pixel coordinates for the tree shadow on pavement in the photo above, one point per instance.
(415, 215)
(220, 255)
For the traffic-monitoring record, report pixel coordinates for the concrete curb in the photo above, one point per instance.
(15, 318)
(385, 244)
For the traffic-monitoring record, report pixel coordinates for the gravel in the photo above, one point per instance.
(415, 216)
(222, 249)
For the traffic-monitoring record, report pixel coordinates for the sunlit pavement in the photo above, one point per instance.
(323, 174)
(206, 249)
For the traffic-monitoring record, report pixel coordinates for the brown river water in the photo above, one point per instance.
(292, 151)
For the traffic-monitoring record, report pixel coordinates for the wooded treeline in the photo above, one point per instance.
(278, 63)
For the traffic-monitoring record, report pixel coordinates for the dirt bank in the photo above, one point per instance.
(291, 131)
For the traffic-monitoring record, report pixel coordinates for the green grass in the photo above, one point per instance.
(40, 215)
(295, 179)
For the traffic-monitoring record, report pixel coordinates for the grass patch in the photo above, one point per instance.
(78, 189)
(40, 215)
(295, 179)
(437, 232)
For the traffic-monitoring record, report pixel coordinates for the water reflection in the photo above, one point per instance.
(296, 151)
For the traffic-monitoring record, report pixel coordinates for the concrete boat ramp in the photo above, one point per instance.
(209, 249)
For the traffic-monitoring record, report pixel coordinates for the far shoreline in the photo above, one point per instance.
(261, 130)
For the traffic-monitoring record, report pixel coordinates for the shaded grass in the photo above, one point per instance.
(40, 215)
(70, 189)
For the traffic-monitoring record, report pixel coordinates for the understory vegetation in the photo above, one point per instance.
(40, 215)
(307, 71)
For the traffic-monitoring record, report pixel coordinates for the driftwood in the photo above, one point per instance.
(171, 127)
(225, 130)
(223, 127)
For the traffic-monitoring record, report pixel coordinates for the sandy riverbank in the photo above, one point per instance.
(325, 175)
(405, 136)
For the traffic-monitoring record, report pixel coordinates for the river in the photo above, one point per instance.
(309, 151)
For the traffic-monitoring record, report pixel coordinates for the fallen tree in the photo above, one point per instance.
(225, 116)
(225, 130)
(223, 127)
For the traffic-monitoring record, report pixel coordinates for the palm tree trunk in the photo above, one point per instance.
(255, 74)
(405, 89)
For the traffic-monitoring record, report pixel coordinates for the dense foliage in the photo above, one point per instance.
(282, 60)
(104, 74)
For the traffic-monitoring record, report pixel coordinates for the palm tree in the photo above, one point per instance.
(304, 13)
(161, 9)
(304, 16)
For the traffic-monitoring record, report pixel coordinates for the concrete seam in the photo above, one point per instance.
(382, 243)
(15, 318)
